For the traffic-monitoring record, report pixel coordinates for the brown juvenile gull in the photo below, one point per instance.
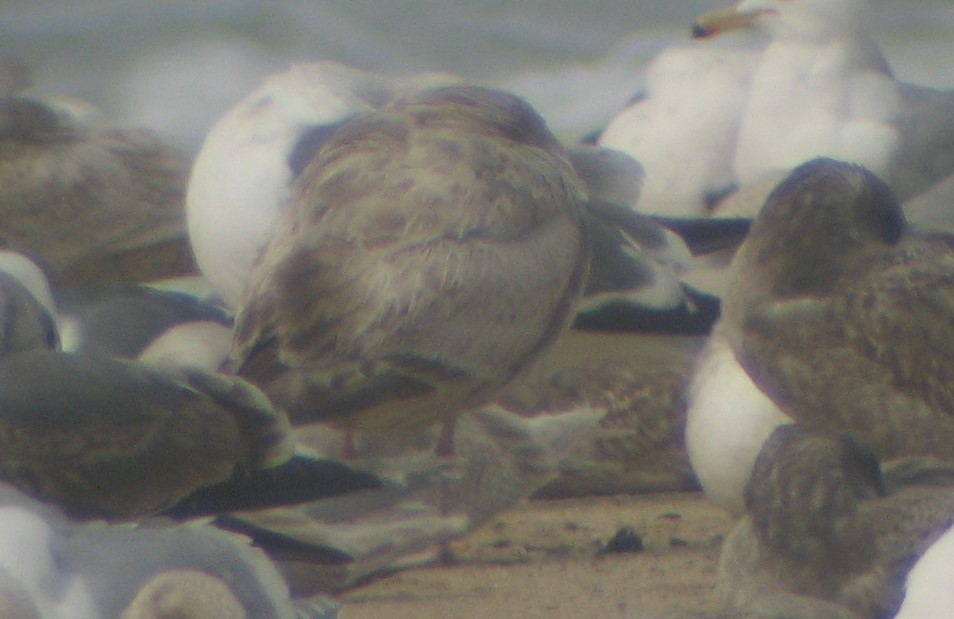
(97, 203)
(843, 315)
(828, 532)
(114, 439)
(833, 315)
(433, 249)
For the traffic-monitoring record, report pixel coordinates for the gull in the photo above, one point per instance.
(837, 309)
(835, 315)
(683, 128)
(243, 175)
(829, 532)
(728, 420)
(56, 568)
(95, 203)
(117, 440)
(821, 88)
(433, 250)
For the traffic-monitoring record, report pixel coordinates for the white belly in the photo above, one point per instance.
(729, 420)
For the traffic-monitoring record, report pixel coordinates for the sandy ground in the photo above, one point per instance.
(547, 559)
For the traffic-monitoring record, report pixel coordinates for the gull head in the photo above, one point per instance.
(798, 19)
(804, 491)
(824, 218)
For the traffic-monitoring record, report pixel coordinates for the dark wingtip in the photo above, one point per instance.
(700, 32)
(299, 480)
(695, 317)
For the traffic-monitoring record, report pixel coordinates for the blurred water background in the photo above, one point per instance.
(176, 65)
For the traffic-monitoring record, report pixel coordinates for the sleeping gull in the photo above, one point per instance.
(114, 439)
(683, 128)
(432, 251)
(836, 312)
(829, 532)
(120, 190)
(821, 88)
(245, 173)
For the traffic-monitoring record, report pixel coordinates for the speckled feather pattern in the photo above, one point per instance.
(845, 317)
(434, 248)
(129, 442)
(826, 527)
(121, 192)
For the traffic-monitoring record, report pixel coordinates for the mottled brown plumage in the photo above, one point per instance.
(433, 250)
(844, 316)
(827, 528)
(97, 204)
(108, 438)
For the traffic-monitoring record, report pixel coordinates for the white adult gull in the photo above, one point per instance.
(821, 88)
(55, 568)
(683, 128)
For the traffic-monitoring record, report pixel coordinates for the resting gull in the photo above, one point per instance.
(97, 203)
(821, 88)
(56, 568)
(829, 532)
(115, 439)
(835, 311)
(432, 251)
(683, 128)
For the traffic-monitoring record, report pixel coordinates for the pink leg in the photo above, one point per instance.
(347, 445)
(445, 449)
(445, 441)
